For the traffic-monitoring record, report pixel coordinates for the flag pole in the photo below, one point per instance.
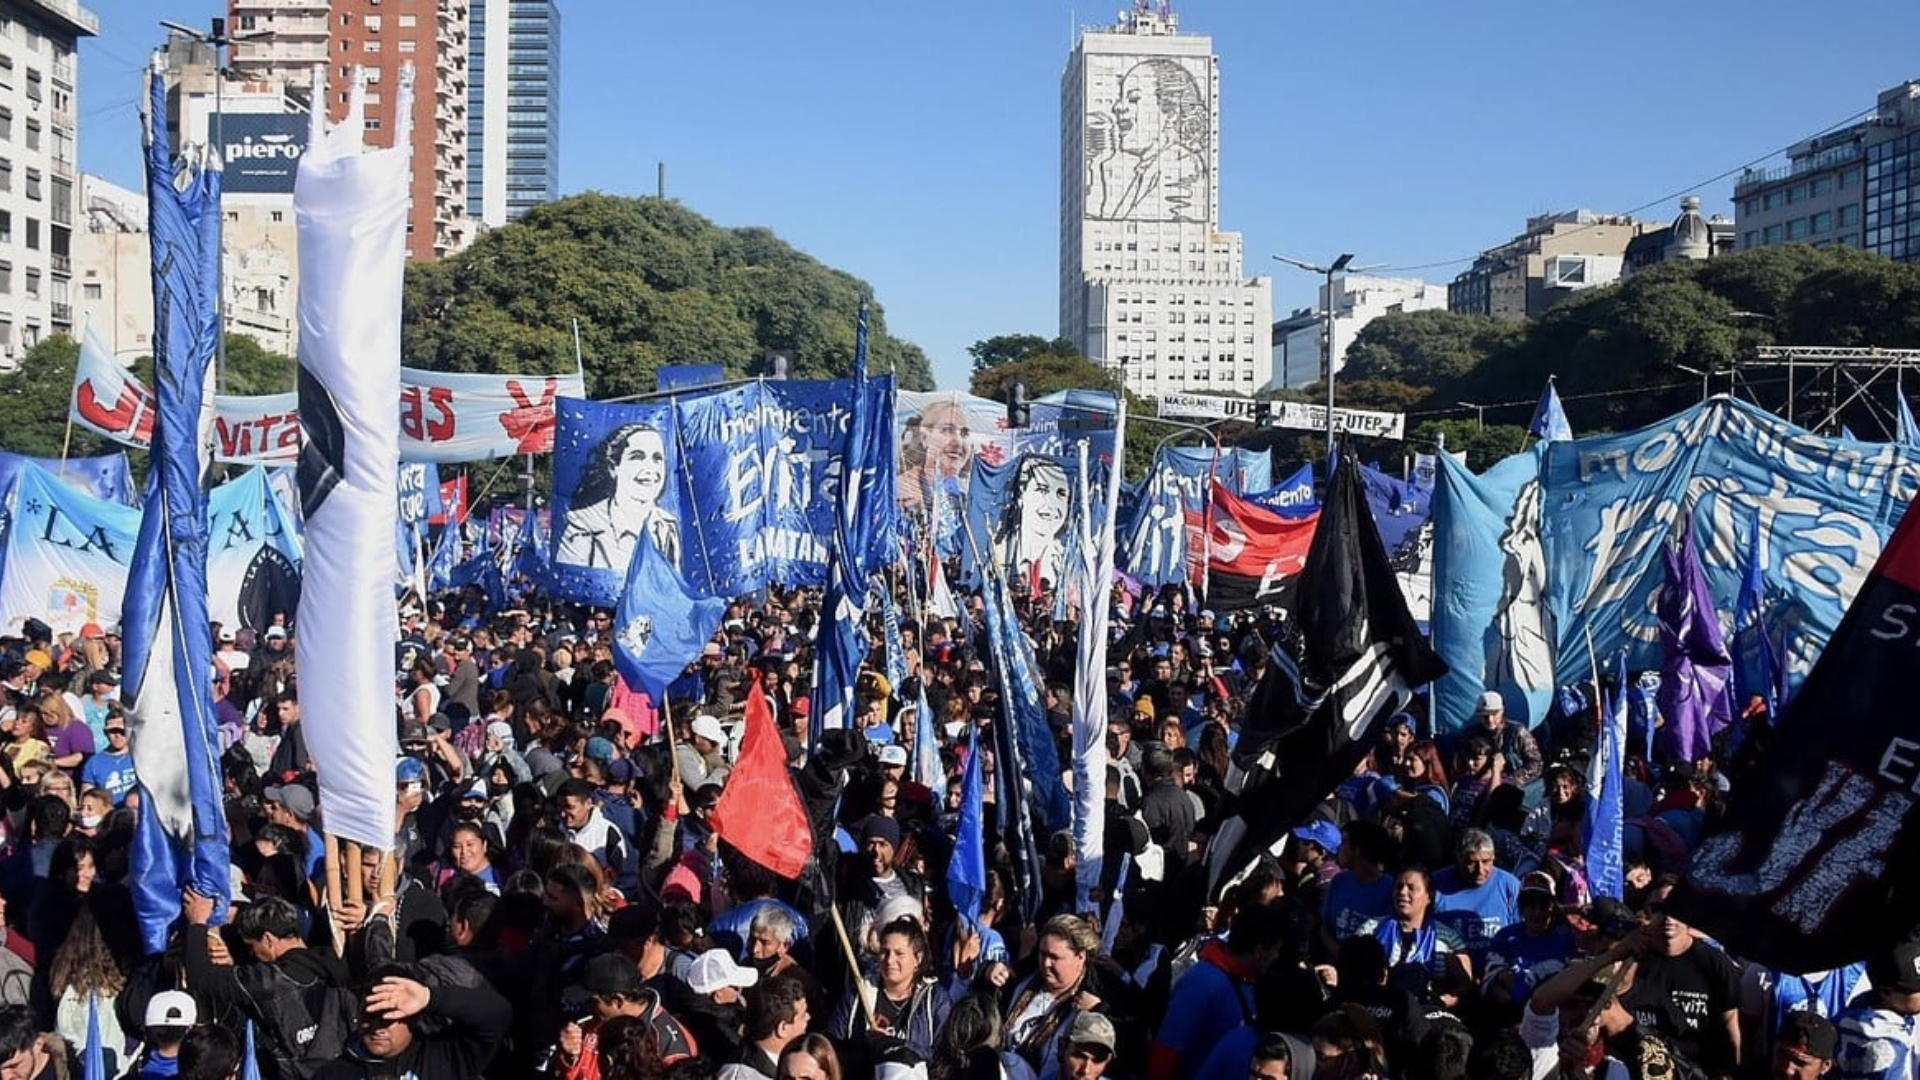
(864, 990)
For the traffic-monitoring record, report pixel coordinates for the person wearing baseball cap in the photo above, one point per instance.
(1513, 742)
(1087, 1051)
(170, 1015)
(1805, 1047)
(1879, 1030)
(1539, 944)
(716, 1009)
(615, 989)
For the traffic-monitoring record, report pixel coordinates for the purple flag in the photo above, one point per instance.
(1697, 670)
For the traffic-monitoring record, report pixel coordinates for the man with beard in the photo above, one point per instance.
(873, 879)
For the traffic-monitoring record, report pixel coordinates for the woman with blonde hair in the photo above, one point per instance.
(1044, 1004)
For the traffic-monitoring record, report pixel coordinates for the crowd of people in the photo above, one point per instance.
(558, 904)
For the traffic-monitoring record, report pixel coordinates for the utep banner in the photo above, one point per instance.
(67, 555)
(443, 417)
(1580, 524)
(737, 486)
(1814, 868)
(104, 477)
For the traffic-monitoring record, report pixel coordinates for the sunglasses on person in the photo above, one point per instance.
(120, 731)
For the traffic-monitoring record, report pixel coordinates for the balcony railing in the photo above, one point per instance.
(62, 264)
(61, 313)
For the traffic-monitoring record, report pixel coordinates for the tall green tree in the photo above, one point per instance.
(649, 283)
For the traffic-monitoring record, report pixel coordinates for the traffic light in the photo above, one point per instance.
(1263, 414)
(1019, 411)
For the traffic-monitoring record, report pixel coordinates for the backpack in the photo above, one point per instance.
(303, 1026)
(16, 977)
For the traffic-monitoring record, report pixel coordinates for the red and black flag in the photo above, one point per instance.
(1254, 555)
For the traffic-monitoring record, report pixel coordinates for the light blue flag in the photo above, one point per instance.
(1908, 433)
(1753, 659)
(180, 840)
(896, 645)
(249, 1060)
(93, 1059)
(926, 751)
(967, 873)
(1549, 419)
(1606, 814)
(661, 625)
(1847, 433)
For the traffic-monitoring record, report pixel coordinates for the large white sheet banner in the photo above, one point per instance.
(350, 207)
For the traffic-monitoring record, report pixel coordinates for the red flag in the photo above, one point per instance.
(759, 810)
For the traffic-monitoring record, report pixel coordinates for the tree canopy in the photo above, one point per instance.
(650, 283)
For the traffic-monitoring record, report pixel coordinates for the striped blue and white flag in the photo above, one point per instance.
(180, 840)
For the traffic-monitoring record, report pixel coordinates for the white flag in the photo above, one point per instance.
(350, 207)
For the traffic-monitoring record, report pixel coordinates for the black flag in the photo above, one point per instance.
(1817, 862)
(1359, 657)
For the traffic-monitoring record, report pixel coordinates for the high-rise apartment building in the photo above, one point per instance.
(1857, 186)
(383, 37)
(1300, 341)
(39, 74)
(1149, 284)
(513, 109)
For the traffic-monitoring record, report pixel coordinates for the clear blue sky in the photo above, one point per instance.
(916, 144)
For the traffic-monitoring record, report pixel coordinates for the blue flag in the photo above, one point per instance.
(1606, 813)
(926, 751)
(1846, 432)
(93, 1059)
(1024, 712)
(1753, 660)
(1909, 432)
(249, 1061)
(967, 873)
(446, 556)
(661, 625)
(896, 645)
(180, 839)
(1549, 419)
(843, 642)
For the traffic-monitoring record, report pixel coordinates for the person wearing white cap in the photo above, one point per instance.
(716, 1010)
(699, 753)
(1513, 742)
(170, 1015)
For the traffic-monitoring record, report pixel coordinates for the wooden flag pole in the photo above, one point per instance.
(334, 897)
(864, 990)
(356, 884)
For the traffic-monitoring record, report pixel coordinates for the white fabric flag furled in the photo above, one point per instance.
(350, 207)
(1094, 560)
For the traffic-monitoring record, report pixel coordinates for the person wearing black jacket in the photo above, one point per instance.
(393, 1039)
(291, 992)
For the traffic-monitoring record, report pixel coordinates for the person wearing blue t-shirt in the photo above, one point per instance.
(1477, 898)
(1532, 949)
(1363, 890)
(111, 769)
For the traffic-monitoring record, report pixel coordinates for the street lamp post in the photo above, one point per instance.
(1335, 267)
(1479, 413)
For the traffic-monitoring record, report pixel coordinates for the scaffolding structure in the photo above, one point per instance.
(1823, 381)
